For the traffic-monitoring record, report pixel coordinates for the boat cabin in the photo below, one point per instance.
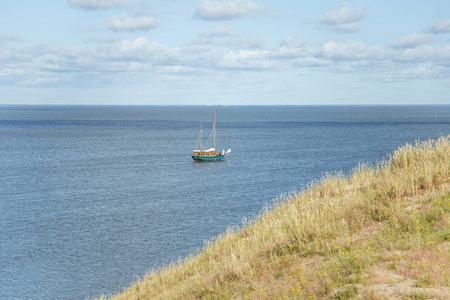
(205, 154)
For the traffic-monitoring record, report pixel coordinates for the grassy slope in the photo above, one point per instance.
(382, 232)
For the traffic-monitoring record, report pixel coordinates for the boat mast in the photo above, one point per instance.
(200, 137)
(214, 128)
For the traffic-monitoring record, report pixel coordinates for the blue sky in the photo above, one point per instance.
(229, 52)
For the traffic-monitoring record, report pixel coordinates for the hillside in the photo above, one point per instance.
(382, 232)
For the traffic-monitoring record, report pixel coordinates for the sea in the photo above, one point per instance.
(92, 198)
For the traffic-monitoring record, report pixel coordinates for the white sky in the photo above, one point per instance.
(252, 52)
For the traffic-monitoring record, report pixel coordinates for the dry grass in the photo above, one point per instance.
(382, 232)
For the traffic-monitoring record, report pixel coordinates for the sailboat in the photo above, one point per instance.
(209, 154)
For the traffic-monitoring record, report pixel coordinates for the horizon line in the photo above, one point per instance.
(225, 105)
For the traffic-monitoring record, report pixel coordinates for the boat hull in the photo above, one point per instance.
(208, 158)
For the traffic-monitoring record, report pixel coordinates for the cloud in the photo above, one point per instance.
(346, 14)
(178, 70)
(442, 26)
(49, 65)
(423, 54)
(104, 40)
(10, 38)
(227, 36)
(290, 42)
(96, 4)
(122, 22)
(40, 65)
(312, 62)
(347, 27)
(412, 40)
(144, 9)
(345, 19)
(227, 10)
(351, 50)
(138, 50)
(246, 60)
(421, 72)
(111, 60)
(219, 31)
(290, 47)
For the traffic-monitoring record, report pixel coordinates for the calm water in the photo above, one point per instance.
(92, 197)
